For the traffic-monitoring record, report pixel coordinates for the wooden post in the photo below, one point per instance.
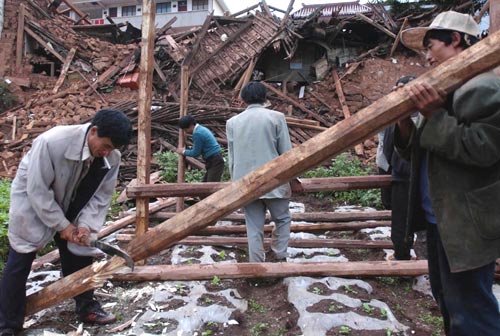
(20, 37)
(345, 109)
(396, 41)
(495, 21)
(64, 71)
(182, 134)
(483, 10)
(144, 105)
(447, 76)
(376, 25)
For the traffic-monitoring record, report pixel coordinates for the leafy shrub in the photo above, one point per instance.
(4, 219)
(168, 165)
(7, 99)
(347, 165)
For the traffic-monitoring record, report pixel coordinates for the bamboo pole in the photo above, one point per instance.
(447, 76)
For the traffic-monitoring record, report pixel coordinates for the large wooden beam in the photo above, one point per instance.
(64, 71)
(447, 76)
(144, 117)
(20, 37)
(310, 186)
(266, 270)
(310, 217)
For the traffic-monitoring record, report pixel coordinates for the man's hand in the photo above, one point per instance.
(180, 150)
(296, 186)
(426, 98)
(76, 235)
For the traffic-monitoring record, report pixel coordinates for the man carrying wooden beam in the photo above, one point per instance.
(62, 190)
(255, 137)
(458, 177)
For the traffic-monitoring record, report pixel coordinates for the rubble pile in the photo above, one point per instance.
(63, 75)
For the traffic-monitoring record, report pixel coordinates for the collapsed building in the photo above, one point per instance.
(315, 63)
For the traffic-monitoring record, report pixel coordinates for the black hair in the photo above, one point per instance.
(113, 124)
(254, 93)
(405, 79)
(186, 121)
(446, 36)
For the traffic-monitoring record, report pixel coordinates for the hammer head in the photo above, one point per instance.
(113, 251)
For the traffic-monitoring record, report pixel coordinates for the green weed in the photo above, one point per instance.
(256, 307)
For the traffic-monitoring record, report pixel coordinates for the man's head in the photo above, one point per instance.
(254, 93)
(448, 34)
(187, 123)
(109, 129)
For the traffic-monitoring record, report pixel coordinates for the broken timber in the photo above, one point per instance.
(447, 76)
(265, 270)
(310, 185)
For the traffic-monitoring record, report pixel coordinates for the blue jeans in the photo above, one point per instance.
(466, 298)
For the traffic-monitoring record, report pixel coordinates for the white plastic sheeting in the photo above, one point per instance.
(2, 4)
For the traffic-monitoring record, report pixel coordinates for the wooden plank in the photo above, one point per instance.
(376, 25)
(83, 16)
(110, 72)
(345, 109)
(311, 217)
(398, 37)
(355, 269)
(310, 185)
(447, 76)
(159, 71)
(310, 113)
(165, 27)
(44, 44)
(64, 71)
(20, 37)
(144, 113)
(299, 243)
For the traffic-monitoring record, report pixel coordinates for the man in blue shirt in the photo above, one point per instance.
(204, 144)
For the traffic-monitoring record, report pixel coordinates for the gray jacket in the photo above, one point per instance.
(255, 137)
(463, 146)
(46, 179)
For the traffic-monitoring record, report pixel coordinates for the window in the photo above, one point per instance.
(183, 6)
(94, 13)
(128, 11)
(113, 12)
(163, 7)
(200, 5)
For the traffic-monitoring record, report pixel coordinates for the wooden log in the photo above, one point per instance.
(310, 185)
(376, 25)
(447, 76)
(64, 71)
(345, 109)
(304, 217)
(299, 243)
(144, 118)
(20, 37)
(398, 37)
(265, 270)
(182, 134)
(310, 113)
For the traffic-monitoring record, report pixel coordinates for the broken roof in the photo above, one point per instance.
(333, 9)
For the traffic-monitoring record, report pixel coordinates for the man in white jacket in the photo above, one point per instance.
(62, 190)
(255, 137)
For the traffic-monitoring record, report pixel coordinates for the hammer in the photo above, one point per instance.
(110, 250)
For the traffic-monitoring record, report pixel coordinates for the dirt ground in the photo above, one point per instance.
(269, 312)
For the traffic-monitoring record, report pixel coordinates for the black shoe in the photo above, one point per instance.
(271, 257)
(97, 315)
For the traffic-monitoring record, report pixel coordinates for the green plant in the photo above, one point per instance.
(347, 165)
(383, 313)
(344, 330)
(256, 307)
(114, 207)
(348, 289)
(168, 168)
(259, 328)
(7, 99)
(4, 219)
(317, 290)
(216, 280)
(388, 332)
(208, 300)
(368, 309)
(222, 254)
(435, 321)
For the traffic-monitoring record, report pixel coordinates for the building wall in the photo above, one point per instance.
(184, 18)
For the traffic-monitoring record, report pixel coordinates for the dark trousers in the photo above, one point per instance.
(15, 276)
(215, 168)
(399, 204)
(465, 299)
